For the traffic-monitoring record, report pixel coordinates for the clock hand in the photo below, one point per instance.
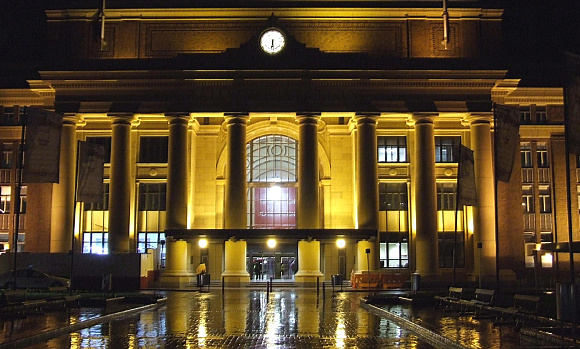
(272, 44)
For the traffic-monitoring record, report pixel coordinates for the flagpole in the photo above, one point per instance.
(17, 196)
(568, 194)
(495, 211)
(72, 249)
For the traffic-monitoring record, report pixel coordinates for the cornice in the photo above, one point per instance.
(346, 13)
(375, 83)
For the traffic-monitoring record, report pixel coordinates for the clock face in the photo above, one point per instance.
(272, 41)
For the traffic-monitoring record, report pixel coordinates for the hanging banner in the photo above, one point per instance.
(573, 103)
(42, 146)
(90, 172)
(507, 139)
(466, 190)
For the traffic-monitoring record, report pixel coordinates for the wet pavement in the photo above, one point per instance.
(467, 329)
(245, 318)
(249, 318)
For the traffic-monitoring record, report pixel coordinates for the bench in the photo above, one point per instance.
(523, 306)
(455, 294)
(482, 299)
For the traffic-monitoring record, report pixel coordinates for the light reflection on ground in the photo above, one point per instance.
(463, 328)
(244, 318)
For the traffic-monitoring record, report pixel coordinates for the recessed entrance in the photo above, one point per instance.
(279, 263)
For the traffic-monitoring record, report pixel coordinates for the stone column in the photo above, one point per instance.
(361, 256)
(63, 192)
(235, 186)
(484, 212)
(176, 272)
(235, 273)
(177, 173)
(120, 184)
(308, 263)
(426, 246)
(367, 177)
(308, 216)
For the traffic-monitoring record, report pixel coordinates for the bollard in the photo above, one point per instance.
(267, 291)
(223, 283)
(271, 285)
(324, 290)
(317, 286)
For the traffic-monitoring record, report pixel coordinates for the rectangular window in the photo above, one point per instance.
(105, 142)
(153, 149)
(152, 196)
(545, 199)
(525, 116)
(542, 155)
(447, 148)
(272, 207)
(5, 192)
(526, 154)
(97, 243)
(8, 117)
(392, 149)
(528, 199)
(446, 195)
(7, 155)
(152, 241)
(393, 197)
(394, 250)
(541, 115)
(451, 243)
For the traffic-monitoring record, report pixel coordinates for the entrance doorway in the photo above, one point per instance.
(280, 264)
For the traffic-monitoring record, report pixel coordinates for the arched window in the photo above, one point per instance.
(271, 173)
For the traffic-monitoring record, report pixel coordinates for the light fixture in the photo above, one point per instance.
(271, 243)
(202, 243)
(340, 243)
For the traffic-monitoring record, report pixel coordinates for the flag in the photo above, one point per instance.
(90, 172)
(466, 191)
(42, 146)
(507, 123)
(572, 99)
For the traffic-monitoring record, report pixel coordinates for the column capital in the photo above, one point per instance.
(122, 118)
(366, 118)
(421, 118)
(178, 118)
(73, 119)
(307, 118)
(235, 118)
(477, 118)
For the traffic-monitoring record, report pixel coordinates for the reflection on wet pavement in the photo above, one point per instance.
(466, 329)
(247, 319)
(24, 327)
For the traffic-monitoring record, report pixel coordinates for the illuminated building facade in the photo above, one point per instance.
(302, 122)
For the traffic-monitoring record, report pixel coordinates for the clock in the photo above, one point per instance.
(272, 41)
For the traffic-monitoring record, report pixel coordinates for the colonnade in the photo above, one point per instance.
(423, 180)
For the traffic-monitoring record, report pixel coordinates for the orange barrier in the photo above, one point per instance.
(377, 280)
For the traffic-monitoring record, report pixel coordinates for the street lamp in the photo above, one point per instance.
(271, 243)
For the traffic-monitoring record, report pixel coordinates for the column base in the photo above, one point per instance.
(235, 278)
(307, 278)
(176, 280)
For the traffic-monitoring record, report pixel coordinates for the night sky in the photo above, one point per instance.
(536, 35)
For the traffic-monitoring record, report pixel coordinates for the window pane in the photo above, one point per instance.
(392, 149)
(153, 149)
